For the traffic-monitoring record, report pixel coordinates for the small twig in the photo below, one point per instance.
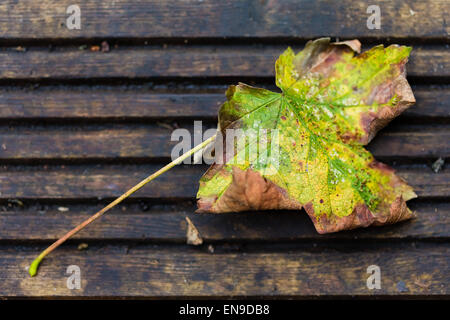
(35, 264)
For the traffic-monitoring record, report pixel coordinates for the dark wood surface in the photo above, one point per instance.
(78, 127)
(204, 61)
(216, 19)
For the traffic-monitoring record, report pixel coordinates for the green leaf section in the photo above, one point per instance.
(319, 119)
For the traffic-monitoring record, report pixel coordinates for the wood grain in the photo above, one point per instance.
(214, 18)
(178, 183)
(120, 104)
(147, 271)
(111, 105)
(178, 62)
(130, 223)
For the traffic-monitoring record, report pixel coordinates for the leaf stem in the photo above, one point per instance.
(35, 264)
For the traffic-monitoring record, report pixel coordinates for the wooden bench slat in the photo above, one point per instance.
(180, 182)
(125, 105)
(430, 103)
(432, 222)
(216, 19)
(121, 271)
(156, 143)
(411, 144)
(178, 62)
(69, 104)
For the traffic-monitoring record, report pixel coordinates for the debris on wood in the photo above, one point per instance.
(42, 209)
(192, 234)
(20, 49)
(165, 125)
(175, 125)
(143, 206)
(211, 248)
(437, 165)
(63, 209)
(95, 48)
(420, 283)
(82, 246)
(15, 202)
(401, 286)
(105, 46)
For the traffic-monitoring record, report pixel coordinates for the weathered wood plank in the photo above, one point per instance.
(111, 105)
(180, 182)
(156, 143)
(115, 271)
(90, 182)
(411, 144)
(431, 102)
(107, 143)
(125, 223)
(178, 62)
(251, 18)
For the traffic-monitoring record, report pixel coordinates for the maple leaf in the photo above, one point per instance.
(332, 103)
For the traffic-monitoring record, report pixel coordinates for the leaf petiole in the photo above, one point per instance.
(35, 264)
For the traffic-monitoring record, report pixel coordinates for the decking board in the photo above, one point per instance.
(121, 104)
(196, 62)
(100, 182)
(147, 143)
(217, 19)
(148, 271)
(131, 223)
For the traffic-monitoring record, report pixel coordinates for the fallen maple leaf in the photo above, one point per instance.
(332, 104)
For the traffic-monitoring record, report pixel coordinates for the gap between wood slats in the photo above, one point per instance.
(185, 62)
(130, 223)
(215, 18)
(69, 104)
(179, 183)
(148, 271)
(66, 44)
